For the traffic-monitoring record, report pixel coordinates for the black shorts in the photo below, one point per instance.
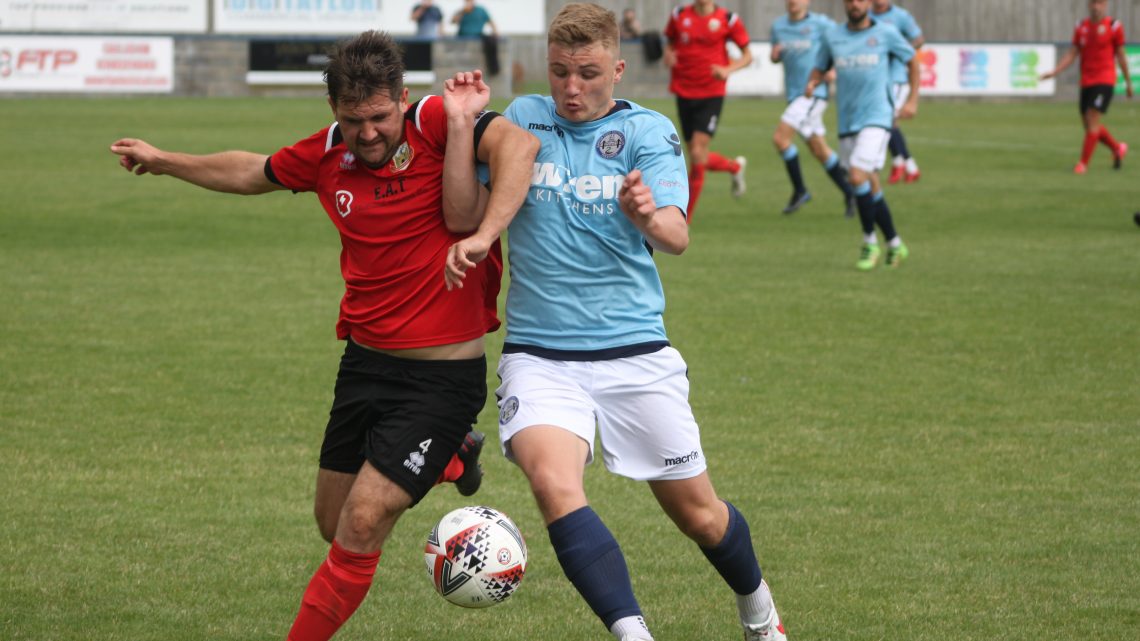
(1097, 97)
(699, 114)
(406, 417)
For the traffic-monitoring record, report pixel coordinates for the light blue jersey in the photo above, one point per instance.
(862, 64)
(582, 277)
(800, 41)
(908, 27)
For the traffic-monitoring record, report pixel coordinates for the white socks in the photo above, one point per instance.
(755, 608)
(631, 629)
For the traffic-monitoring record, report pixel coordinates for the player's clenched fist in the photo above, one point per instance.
(636, 199)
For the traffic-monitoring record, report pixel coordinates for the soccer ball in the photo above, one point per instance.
(475, 557)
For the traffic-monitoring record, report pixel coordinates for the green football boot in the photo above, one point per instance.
(896, 255)
(868, 257)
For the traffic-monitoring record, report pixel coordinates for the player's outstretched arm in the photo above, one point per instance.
(510, 151)
(813, 82)
(465, 95)
(665, 229)
(669, 55)
(777, 53)
(231, 172)
(1063, 64)
(1122, 60)
(734, 65)
(914, 78)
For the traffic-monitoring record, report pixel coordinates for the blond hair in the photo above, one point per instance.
(580, 24)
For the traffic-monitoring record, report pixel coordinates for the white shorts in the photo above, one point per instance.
(639, 405)
(805, 115)
(900, 91)
(866, 150)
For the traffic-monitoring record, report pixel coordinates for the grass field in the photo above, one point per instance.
(947, 450)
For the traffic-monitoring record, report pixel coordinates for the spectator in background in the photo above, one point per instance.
(472, 19)
(630, 25)
(428, 19)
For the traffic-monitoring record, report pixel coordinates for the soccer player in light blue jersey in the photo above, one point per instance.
(861, 52)
(795, 43)
(586, 352)
(904, 165)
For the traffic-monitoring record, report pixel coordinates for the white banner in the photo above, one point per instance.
(122, 16)
(80, 64)
(947, 70)
(761, 78)
(347, 17)
(986, 70)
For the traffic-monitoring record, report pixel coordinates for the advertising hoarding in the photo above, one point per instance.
(95, 16)
(345, 17)
(86, 64)
(946, 70)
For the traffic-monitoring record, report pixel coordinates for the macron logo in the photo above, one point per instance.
(691, 456)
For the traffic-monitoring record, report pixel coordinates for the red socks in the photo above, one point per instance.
(718, 162)
(1108, 140)
(696, 183)
(334, 593)
(1091, 139)
(453, 471)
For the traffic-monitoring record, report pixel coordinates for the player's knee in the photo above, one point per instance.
(705, 526)
(556, 494)
(358, 526)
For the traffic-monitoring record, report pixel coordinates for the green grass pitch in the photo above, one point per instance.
(946, 450)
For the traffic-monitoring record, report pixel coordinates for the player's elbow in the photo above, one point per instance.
(526, 145)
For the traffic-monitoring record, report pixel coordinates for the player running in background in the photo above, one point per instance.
(412, 380)
(586, 351)
(697, 56)
(795, 43)
(1099, 41)
(861, 52)
(904, 165)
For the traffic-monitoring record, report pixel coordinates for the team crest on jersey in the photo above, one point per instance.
(510, 408)
(403, 157)
(348, 161)
(1100, 29)
(610, 144)
(714, 25)
(872, 41)
(343, 202)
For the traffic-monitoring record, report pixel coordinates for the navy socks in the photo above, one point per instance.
(592, 560)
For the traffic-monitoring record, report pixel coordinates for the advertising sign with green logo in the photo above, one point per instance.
(1133, 54)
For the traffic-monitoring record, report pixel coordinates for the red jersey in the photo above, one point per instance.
(699, 42)
(1098, 43)
(393, 238)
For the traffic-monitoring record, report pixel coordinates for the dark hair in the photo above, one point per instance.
(363, 66)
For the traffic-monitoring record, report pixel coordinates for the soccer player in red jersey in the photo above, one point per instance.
(695, 52)
(1099, 41)
(398, 181)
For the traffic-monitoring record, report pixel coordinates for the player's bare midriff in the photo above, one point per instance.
(451, 352)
